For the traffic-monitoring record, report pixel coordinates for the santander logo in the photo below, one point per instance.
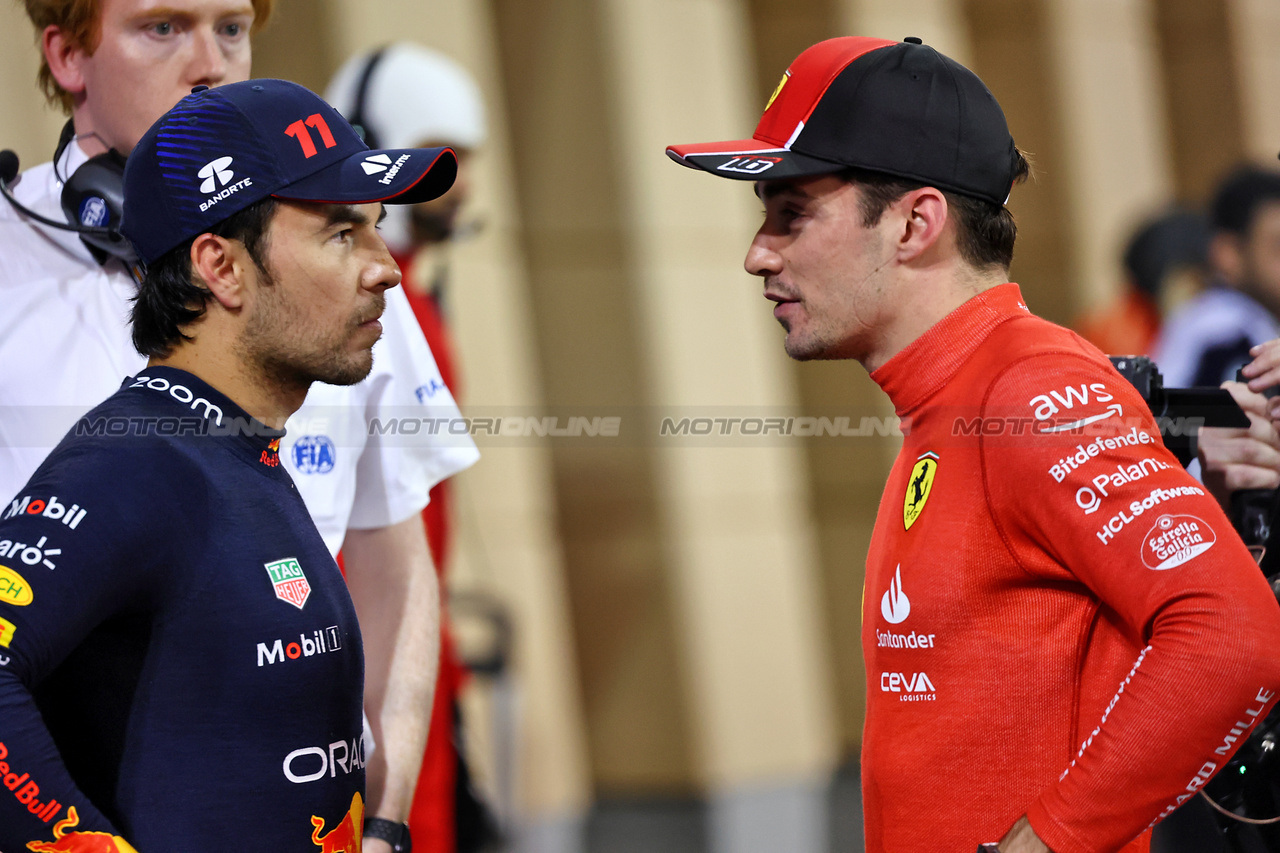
(895, 607)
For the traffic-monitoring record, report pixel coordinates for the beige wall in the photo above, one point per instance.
(688, 616)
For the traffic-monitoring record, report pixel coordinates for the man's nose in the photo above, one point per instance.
(761, 258)
(208, 63)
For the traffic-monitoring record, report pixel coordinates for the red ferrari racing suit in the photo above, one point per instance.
(1058, 621)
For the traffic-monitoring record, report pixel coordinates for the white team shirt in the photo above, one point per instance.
(1220, 317)
(65, 347)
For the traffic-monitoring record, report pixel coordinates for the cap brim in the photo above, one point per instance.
(750, 160)
(393, 176)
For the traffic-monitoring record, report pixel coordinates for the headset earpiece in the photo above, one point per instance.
(357, 117)
(93, 197)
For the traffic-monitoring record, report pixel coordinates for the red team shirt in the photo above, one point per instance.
(1059, 621)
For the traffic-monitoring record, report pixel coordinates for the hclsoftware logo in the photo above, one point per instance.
(895, 607)
(216, 173)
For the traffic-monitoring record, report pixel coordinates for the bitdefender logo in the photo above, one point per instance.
(895, 607)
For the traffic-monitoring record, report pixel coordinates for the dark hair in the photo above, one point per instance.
(985, 232)
(170, 295)
(1239, 196)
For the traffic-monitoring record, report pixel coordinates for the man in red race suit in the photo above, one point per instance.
(1064, 638)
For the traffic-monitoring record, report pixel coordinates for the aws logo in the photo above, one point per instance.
(1046, 406)
(918, 488)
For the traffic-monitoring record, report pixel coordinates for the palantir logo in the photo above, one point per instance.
(216, 173)
(895, 607)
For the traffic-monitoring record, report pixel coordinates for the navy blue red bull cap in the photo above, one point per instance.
(220, 150)
(900, 108)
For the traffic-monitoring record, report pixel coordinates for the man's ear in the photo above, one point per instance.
(925, 214)
(66, 59)
(218, 263)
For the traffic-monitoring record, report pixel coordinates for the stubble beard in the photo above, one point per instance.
(286, 358)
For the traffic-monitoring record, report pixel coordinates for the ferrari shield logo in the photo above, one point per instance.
(778, 89)
(289, 581)
(918, 488)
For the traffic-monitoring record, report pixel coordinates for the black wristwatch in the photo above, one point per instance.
(395, 834)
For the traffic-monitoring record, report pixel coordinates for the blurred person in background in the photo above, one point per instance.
(115, 66)
(1209, 338)
(402, 94)
(1002, 547)
(1165, 265)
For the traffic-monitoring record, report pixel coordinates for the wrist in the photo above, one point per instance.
(394, 833)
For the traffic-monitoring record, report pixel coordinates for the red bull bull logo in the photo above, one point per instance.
(271, 456)
(346, 836)
(79, 842)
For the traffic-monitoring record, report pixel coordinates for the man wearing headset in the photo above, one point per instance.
(116, 66)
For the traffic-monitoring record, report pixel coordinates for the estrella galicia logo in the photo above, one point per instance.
(94, 212)
(215, 173)
(314, 454)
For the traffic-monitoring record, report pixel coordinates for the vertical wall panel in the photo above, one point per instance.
(1255, 28)
(1203, 100)
(1103, 53)
(569, 172)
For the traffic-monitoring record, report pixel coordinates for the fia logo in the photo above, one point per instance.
(895, 607)
(314, 454)
(918, 488)
(216, 173)
(749, 165)
(426, 392)
(94, 212)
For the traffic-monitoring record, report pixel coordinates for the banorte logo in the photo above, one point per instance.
(80, 842)
(345, 837)
(895, 607)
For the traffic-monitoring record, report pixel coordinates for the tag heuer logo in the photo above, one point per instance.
(289, 581)
(918, 488)
(375, 163)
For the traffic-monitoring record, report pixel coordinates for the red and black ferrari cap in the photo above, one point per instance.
(900, 108)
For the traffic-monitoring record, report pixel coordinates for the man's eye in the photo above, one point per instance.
(232, 30)
(163, 28)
